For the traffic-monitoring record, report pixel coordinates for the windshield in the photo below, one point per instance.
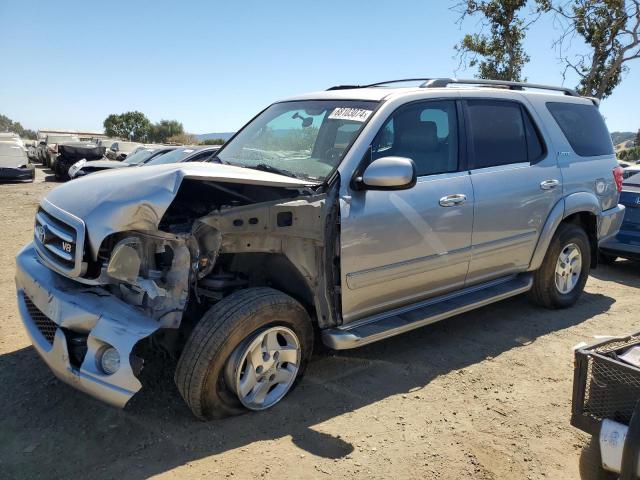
(127, 146)
(173, 156)
(139, 157)
(305, 139)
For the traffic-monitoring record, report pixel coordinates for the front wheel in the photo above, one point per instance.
(560, 280)
(246, 353)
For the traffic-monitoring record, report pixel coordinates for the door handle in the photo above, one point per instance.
(453, 200)
(549, 184)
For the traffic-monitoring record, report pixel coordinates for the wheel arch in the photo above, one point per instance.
(580, 208)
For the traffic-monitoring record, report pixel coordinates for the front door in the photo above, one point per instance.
(402, 246)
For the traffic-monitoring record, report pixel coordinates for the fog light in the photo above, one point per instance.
(110, 360)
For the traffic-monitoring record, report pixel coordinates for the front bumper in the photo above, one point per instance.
(72, 307)
(26, 173)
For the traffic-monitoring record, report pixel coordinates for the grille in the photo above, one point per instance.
(46, 326)
(56, 241)
(604, 386)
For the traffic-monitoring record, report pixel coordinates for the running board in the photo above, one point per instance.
(400, 320)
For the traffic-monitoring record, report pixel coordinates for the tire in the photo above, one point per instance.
(545, 291)
(209, 361)
(606, 259)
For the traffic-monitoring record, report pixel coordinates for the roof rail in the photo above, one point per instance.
(378, 84)
(445, 82)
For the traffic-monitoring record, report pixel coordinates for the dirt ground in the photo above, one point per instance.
(484, 395)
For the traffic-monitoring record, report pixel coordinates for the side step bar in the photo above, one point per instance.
(400, 320)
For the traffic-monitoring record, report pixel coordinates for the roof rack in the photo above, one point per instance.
(445, 82)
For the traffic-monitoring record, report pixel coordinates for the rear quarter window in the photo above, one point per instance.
(583, 127)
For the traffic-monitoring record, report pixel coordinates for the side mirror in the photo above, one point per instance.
(389, 173)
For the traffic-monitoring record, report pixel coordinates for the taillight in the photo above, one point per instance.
(618, 176)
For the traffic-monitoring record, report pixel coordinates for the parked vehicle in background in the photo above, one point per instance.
(626, 244)
(73, 152)
(30, 146)
(50, 149)
(630, 170)
(119, 150)
(12, 137)
(106, 142)
(357, 213)
(193, 153)
(14, 163)
(82, 168)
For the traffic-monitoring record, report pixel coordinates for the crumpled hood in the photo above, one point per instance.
(137, 198)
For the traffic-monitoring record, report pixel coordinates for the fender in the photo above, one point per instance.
(573, 203)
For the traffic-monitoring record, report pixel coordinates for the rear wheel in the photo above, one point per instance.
(246, 353)
(560, 280)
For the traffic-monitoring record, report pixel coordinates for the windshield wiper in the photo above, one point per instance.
(271, 169)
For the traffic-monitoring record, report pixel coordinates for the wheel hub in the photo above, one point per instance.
(262, 369)
(568, 268)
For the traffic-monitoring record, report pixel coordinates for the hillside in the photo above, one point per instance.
(223, 135)
(619, 137)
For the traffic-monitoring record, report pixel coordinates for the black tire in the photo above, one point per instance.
(606, 259)
(590, 464)
(544, 291)
(200, 371)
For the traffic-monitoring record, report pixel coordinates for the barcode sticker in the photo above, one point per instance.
(348, 113)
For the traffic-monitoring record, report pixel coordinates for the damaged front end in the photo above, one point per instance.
(109, 268)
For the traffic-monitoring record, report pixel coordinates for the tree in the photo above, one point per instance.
(183, 139)
(164, 129)
(8, 125)
(213, 141)
(499, 55)
(638, 138)
(610, 30)
(129, 125)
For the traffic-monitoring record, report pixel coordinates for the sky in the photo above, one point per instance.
(213, 65)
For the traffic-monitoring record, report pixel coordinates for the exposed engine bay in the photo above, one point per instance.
(215, 238)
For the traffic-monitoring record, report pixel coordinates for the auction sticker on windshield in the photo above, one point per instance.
(348, 113)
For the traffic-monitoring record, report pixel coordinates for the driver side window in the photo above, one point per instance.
(425, 132)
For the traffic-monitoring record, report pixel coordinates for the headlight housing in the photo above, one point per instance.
(125, 260)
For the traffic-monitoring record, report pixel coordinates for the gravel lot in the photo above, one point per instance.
(484, 395)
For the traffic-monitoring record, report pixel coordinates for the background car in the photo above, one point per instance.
(193, 153)
(105, 142)
(626, 244)
(14, 164)
(120, 150)
(11, 137)
(82, 168)
(73, 152)
(50, 148)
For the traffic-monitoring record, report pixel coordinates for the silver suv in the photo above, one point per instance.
(352, 215)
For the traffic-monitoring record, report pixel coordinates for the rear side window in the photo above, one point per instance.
(501, 133)
(583, 127)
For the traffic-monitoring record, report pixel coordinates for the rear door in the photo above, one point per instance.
(516, 182)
